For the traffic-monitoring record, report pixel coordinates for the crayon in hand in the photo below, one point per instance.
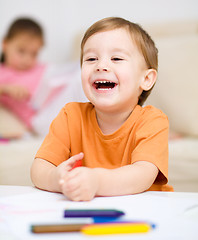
(78, 163)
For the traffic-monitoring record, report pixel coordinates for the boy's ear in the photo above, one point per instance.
(149, 79)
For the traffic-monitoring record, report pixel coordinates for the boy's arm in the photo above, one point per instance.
(129, 179)
(83, 183)
(47, 176)
(43, 175)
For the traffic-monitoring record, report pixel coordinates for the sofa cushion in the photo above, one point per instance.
(175, 92)
(16, 158)
(183, 164)
(10, 125)
(170, 29)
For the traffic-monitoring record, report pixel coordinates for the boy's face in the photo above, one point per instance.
(21, 51)
(112, 71)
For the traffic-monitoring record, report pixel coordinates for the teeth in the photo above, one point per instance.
(104, 89)
(104, 85)
(103, 82)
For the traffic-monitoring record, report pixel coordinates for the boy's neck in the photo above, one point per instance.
(111, 122)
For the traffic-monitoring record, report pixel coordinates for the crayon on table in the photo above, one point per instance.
(115, 228)
(54, 228)
(84, 227)
(111, 213)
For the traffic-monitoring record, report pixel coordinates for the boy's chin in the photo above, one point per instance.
(105, 105)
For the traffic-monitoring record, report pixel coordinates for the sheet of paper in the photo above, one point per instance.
(19, 212)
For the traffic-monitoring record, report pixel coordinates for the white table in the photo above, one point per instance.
(175, 214)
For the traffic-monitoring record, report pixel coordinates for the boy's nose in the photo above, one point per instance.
(102, 66)
(105, 69)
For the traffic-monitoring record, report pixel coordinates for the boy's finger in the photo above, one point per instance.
(69, 164)
(74, 161)
(77, 163)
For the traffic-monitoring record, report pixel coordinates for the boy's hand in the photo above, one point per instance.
(63, 169)
(81, 183)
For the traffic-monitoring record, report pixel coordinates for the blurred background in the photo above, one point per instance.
(64, 20)
(173, 24)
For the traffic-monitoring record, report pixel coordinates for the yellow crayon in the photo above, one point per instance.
(115, 228)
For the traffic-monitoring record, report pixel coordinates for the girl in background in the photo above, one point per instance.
(32, 91)
(20, 73)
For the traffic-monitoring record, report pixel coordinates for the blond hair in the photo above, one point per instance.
(142, 39)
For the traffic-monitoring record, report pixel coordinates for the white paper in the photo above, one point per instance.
(19, 212)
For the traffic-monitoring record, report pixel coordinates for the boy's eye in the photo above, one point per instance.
(91, 59)
(117, 59)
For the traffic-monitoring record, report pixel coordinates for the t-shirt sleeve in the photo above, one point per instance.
(151, 144)
(56, 145)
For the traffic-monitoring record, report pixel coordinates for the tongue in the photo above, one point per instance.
(105, 85)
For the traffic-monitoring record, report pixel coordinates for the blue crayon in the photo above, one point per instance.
(103, 213)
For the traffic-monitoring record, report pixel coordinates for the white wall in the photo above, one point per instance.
(63, 20)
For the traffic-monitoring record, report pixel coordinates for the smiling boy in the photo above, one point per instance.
(123, 146)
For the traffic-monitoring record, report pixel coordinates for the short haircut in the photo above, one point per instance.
(142, 39)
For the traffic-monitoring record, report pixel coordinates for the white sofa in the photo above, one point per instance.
(175, 93)
(15, 160)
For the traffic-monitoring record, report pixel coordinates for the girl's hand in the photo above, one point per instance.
(18, 93)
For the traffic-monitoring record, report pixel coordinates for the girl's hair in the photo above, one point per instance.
(142, 39)
(22, 25)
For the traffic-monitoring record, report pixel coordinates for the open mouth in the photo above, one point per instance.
(104, 85)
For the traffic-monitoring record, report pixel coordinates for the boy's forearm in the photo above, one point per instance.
(47, 179)
(125, 180)
(129, 179)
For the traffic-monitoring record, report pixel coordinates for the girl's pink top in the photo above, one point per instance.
(29, 79)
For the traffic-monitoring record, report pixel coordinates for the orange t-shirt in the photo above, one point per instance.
(143, 137)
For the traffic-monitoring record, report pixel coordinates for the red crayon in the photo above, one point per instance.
(78, 163)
